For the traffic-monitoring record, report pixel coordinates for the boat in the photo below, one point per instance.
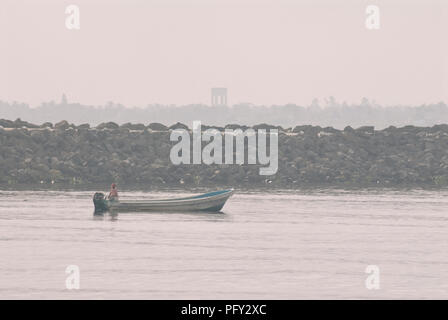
(207, 202)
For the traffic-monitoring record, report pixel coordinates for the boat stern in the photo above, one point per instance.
(100, 203)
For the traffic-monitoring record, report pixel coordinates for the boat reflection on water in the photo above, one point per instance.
(113, 216)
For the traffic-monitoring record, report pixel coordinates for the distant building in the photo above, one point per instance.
(219, 96)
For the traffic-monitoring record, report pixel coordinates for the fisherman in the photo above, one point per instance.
(113, 195)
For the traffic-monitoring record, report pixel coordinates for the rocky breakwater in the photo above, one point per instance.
(138, 154)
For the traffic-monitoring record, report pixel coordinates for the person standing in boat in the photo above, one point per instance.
(113, 195)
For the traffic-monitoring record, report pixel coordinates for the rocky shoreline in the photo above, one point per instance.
(138, 155)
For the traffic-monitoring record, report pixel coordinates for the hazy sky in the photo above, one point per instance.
(264, 51)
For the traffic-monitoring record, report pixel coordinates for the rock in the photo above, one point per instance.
(157, 127)
(366, 129)
(267, 127)
(62, 125)
(6, 123)
(46, 125)
(84, 126)
(23, 124)
(178, 125)
(330, 130)
(130, 126)
(108, 125)
(236, 126)
(307, 129)
(205, 127)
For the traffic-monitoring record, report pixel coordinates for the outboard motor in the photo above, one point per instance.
(99, 200)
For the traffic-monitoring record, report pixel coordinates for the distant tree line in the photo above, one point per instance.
(328, 113)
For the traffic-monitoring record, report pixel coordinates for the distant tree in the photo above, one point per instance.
(315, 103)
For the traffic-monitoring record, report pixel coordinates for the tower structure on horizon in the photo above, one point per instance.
(64, 99)
(219, 96)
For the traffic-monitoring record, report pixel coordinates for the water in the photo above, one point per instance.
(276, 245)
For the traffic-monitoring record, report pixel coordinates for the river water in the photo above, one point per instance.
(266, 245)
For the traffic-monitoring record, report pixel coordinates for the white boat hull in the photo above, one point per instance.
(209, 202)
